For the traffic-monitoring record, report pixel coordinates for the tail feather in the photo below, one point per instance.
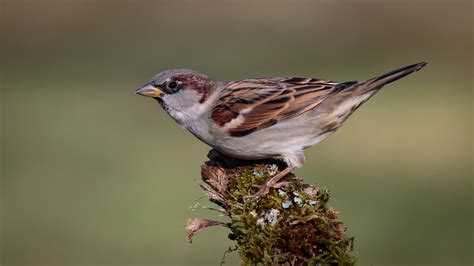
(378, 82)
(355, 94)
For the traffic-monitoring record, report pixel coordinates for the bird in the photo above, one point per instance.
(261, 118)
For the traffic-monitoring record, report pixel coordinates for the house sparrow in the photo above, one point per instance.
(262, 117)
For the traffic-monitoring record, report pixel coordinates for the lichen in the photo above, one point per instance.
(291, 225)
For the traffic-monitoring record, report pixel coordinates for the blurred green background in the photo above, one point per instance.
(93, 174)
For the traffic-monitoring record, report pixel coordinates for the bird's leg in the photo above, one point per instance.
(272, 182)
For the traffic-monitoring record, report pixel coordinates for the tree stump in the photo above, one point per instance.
(291, 225)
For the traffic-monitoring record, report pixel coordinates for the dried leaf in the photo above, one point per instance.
(194, 225)
(216, 177)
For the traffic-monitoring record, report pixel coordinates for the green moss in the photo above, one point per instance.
(290, 225)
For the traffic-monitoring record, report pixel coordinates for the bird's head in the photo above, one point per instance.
(181, 90)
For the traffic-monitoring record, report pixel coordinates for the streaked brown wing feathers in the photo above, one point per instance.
(260, 103)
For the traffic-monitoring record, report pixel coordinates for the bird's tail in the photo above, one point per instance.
(377, 83)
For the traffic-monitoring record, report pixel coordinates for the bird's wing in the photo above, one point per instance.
(249, 105)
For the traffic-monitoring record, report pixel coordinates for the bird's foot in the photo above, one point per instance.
(263, 190)
(271, 183)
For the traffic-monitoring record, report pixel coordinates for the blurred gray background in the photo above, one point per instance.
(93, 174)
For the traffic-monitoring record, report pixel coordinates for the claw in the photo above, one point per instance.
(281, 184)
(264, 189)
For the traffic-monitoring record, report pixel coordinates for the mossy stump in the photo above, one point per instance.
(291, 225)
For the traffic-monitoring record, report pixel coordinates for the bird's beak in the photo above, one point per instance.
(149, 91)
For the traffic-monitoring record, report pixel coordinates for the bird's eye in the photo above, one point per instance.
(172, 85)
